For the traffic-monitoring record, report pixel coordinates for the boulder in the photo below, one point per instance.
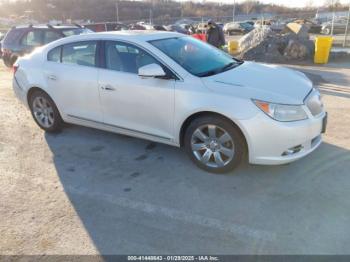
(262, 44)
(300, 30)
(254, 38)
(296, 50)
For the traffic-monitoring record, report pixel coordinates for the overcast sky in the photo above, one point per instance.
(291, 3)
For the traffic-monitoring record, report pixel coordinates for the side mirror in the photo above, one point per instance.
(151, 70)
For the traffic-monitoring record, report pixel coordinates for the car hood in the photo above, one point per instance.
(260, 81)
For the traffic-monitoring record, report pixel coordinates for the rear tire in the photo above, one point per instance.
(45, 112)
(214, 144)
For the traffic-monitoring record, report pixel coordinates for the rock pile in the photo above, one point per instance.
(262, 44)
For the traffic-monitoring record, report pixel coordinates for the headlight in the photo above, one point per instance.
(281, 112)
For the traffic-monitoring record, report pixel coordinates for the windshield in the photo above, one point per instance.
(195, 56)
(246, 25)
(75, 31)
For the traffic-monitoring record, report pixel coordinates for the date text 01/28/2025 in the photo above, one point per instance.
(173, 258)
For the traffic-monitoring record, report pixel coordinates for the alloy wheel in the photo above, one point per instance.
(43, 111)
(212, 146)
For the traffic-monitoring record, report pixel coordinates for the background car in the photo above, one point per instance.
(136, 27)
(201, 27)
(251, 22)
(221, 25)
(185, 26)
(154, 27)
(237, 28)
(173, 89)
(313, 27)
(108, 26)
(22, 40)
(338, 26)
(158, 28)
(262, 22)
(176, 28)
(274, 25)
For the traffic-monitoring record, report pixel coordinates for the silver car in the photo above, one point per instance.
(173, 89)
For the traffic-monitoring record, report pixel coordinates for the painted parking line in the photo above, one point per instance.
(182, 216)
(336, 88)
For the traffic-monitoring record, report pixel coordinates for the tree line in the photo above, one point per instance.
(110, 10)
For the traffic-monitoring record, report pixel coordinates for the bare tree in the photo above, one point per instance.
(248, 6)
(130, 11)
(333, 4)
(309, 4)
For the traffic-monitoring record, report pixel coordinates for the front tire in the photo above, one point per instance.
(45, 112)
(214, 144)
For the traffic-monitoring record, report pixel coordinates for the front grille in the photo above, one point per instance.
(314, 103)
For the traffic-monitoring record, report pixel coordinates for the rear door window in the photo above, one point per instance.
(81, 53)
(33, 38)
(55, 55)
(50, 36)
(13, 36)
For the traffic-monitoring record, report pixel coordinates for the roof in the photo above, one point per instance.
(131, 35)
(141, 35)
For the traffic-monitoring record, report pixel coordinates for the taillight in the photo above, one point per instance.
(15, 68)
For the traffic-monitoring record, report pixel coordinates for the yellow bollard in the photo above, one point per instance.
(323, 45)
(232, 47)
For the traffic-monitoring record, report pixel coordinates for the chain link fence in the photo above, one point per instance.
(321, 23)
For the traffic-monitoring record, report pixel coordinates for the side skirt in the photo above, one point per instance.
(119, 130)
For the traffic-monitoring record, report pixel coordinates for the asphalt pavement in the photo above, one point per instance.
(85, 191)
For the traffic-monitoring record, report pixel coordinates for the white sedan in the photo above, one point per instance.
(173, 89)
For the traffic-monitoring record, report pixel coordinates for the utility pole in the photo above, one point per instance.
(347, 27)
(117, 11)
(333, 18)
(150, 16)
(234, 10)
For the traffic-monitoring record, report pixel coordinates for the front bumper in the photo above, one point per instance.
(269, 140)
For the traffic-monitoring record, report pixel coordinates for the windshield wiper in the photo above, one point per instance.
(222, 69)
(209, 73)
(228, 66)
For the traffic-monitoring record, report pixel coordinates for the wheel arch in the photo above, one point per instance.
(196, 115)
(32, 89)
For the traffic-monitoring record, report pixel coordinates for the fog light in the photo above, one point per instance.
(292, 150)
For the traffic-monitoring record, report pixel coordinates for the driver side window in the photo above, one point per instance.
(125, 57)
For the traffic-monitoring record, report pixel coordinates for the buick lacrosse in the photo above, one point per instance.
(173, 89)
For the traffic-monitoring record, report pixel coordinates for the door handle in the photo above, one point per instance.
(52, 77)
(108, 88)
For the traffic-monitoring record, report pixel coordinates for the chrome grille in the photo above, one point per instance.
(314, 103)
